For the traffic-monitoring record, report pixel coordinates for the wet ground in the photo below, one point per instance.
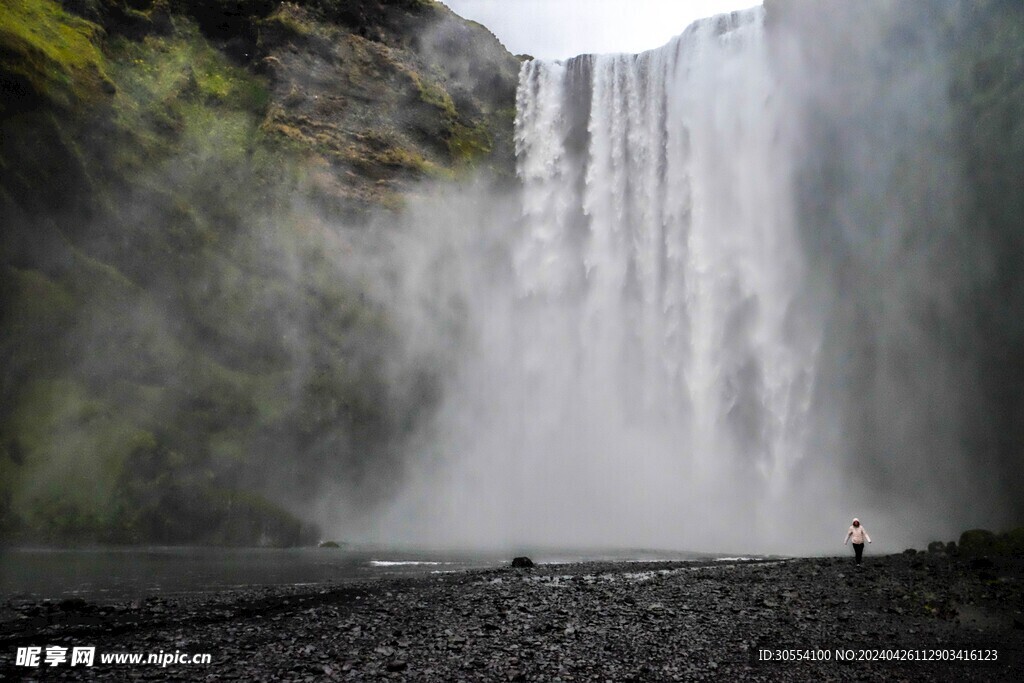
(920, 617)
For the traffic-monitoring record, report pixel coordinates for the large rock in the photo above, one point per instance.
(1013, 541)
(983, 542)
(978, 542)
(522, 563)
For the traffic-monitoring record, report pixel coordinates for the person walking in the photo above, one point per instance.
(857, 533)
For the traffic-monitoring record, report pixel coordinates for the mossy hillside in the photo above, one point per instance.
(70, 438)
(156, 383)
(192, 334)
(466, 142)
(375, 132)
(339, 75)
(172, 71)
(50, 65)
(391, 72)
(72, 450)
(181, 346)
(48, 54)
(435, 95)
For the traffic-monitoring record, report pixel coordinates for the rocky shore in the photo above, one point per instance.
(593, 621)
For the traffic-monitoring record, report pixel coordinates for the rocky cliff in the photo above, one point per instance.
(186, 351)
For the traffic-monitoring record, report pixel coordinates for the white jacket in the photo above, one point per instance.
(857, 534)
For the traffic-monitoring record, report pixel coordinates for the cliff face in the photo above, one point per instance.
(185, 354)
(389, 97)
(377, 92)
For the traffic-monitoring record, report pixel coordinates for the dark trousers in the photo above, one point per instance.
(858, 549)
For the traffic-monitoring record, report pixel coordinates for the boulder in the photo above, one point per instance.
(1013, 541)
(522, 562)
(936, 547)
(978, 542)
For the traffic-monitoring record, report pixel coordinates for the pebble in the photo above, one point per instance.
(691, 622)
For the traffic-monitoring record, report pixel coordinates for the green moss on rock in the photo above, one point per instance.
(435, 95)
(469, 143)
(288, 22)
(73, 449)
(159, 78)
(47, 54)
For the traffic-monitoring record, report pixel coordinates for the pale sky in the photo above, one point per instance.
(558, 29)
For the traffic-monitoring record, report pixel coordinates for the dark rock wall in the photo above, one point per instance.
(187, 351)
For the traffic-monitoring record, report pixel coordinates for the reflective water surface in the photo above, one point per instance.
(127, 573)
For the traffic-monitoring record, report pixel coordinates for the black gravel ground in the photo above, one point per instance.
(589, 622)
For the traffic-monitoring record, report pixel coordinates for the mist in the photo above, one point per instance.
(732, 306)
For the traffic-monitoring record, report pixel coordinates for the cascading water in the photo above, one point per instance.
(657, 273)
(640, 374)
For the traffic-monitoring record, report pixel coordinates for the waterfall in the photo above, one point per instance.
(637, 363)
(735, 301)
(657, 270)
